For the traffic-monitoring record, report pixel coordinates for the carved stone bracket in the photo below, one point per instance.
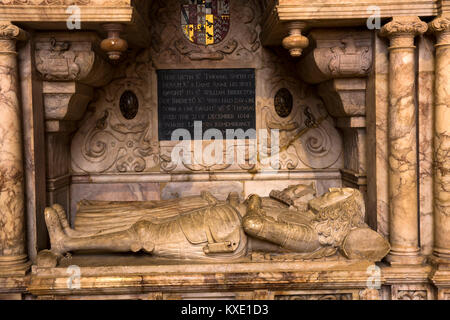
(339, 62)
(336, 54)
(70, 65)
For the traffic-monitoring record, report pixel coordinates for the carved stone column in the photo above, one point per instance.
(13, 256)
(403, 199)
(441, 27)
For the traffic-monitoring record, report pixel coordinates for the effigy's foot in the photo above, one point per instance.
(66, 225)
(55, 231)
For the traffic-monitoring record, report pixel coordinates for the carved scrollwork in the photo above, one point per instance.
(108, 142)
(440, 24)
(412, 295)
(307, 135)
(193, 54)
(9, 31)
(192, 158)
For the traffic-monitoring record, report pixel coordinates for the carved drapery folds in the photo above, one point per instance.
(403, 201)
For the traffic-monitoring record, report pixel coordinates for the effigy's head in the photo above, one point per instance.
(336, 213)
(295, 195)
(299, 190)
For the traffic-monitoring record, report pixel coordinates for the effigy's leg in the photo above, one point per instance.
(294, 237)
(133, 239)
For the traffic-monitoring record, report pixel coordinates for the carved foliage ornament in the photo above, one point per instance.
(404, 25)
(440, 24)
(9, 31)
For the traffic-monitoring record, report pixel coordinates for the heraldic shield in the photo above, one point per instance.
(205, 22)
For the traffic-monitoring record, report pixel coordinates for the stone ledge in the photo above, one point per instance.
(311, 275)
(10, 284)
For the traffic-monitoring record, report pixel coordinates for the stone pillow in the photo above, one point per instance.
(365, 244)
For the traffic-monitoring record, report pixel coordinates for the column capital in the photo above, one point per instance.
(440, 24)
(8, 31)
(441, 28)
(404, 26)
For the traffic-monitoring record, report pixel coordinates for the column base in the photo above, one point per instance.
(14, 265)
(440, 257)
(405, 258)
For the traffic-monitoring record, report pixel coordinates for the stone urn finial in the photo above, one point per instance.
(114, 46)
(296, 42)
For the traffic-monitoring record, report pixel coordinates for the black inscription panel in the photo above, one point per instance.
(219, 98)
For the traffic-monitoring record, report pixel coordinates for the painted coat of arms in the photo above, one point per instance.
(205, 22)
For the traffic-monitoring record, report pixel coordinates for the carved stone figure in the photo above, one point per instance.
(204, 228)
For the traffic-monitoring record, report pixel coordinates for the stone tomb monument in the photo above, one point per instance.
(235, 149)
